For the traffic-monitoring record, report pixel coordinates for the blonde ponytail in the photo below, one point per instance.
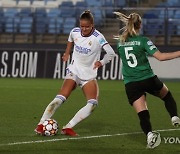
(132, 24)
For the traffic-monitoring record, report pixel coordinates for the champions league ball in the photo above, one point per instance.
(50, 127)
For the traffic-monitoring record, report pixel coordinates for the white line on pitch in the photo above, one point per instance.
(79, 138)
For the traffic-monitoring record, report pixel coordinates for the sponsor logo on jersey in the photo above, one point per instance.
(82, 50)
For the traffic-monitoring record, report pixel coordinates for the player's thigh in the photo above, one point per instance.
(91, 90)
(157, 87)
(163, 92)
(140, 104)
(68, 86)
(134, 91)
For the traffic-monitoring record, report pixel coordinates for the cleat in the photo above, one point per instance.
(175, 121)
(69, 132)
(39, 130)
(153, 139)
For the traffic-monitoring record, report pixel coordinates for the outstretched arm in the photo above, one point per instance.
(166, 56)
(65, 57)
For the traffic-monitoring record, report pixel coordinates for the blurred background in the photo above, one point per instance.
(33, 37)
(34, 32)
(50, 21)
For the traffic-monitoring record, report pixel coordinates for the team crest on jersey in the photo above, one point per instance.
(90, 43)
(76, 39)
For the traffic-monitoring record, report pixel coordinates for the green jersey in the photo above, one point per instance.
(134, 53)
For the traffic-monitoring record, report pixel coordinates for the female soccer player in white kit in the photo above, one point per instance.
(88, 44)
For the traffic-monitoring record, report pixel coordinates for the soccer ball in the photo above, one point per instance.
(50, 127)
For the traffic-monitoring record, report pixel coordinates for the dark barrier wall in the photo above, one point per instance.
(46, 64)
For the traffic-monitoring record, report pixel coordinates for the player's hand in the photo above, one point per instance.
(97, 65)
(65, 57)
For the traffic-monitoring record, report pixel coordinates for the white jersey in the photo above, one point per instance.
(86, 52)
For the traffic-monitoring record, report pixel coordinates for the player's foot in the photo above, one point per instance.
(39, 129)
(175, 121)
(153, 139)
(69, 132)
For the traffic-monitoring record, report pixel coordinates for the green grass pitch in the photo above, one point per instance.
(22, 102)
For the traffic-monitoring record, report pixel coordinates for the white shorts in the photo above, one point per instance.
(79, 82)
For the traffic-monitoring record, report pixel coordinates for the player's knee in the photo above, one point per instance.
(168, 96)
(162, 93)
(58, 100)
(93, 103)
(61, 98)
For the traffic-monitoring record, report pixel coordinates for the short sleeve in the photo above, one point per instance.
(102, 40)
(70, 38)
(149, 46)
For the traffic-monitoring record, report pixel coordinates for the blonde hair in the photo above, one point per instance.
(132, 25)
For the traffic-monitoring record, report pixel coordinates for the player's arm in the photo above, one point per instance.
(65, 56)
(166, 56)
(109, 54)
(107, 57)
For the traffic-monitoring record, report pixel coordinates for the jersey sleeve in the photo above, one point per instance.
(149, 46)
(109, 54)
(70, 38)
(102, 40)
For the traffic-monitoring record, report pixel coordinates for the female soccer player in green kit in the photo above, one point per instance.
(139, 77)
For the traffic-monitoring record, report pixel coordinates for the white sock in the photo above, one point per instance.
(82, 114)
(51, 108)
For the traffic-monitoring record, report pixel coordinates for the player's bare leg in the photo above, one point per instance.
(91, 92)
(64, 93)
